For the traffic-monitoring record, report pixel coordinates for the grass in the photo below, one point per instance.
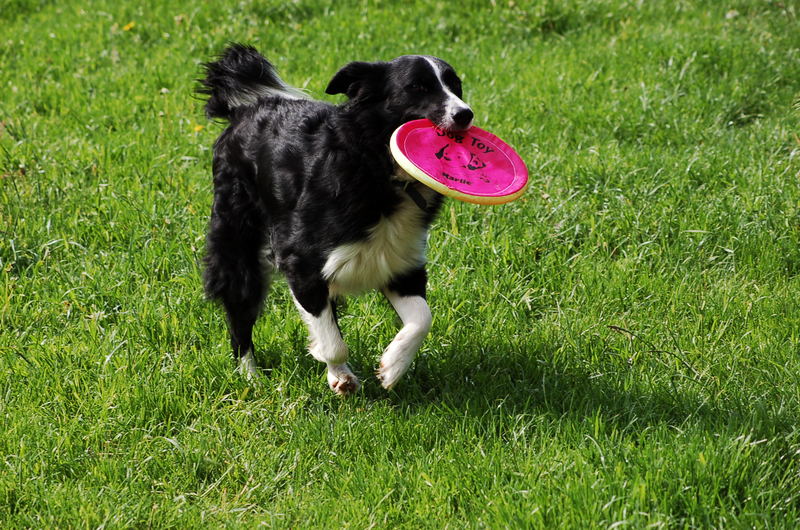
(617, 348)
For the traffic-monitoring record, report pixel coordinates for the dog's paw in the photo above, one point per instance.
(392, 369)
(342, 380)
(247, 366)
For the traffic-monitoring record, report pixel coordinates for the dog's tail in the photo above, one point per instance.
(239, 78)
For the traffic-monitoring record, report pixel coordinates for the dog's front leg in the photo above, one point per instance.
(325, 340)
(415, 314)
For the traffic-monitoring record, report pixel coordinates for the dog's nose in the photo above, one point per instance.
(463, 117)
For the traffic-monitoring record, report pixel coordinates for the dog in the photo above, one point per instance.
(310, 189)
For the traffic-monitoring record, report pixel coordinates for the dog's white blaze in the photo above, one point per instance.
(394, 246)
(416, 317)
(453, 103)
(325, 341)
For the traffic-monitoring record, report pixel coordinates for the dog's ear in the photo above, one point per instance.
(355, 77)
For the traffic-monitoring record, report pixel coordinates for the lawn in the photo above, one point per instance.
(619, 347)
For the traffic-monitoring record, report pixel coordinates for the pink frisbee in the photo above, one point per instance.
(473, 165)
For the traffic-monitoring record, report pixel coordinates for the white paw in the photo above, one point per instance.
(342, 380)
(247, 366)
(393, 365)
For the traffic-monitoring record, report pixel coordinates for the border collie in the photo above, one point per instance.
(310, 189)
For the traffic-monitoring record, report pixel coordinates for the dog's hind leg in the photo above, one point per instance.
(236, 273)
(312, 298)
(407, 296)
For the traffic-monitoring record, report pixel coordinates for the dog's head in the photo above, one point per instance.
(407, 88)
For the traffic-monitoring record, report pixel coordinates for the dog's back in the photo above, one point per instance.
(300, 165)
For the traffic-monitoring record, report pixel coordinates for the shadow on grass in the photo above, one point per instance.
(538, 383)
(546, 381)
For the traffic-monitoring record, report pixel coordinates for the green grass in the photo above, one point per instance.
(620, 347)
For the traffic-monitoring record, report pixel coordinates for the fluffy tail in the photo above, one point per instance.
(239, 78)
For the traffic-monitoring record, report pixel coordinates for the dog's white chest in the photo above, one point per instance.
(395, 245)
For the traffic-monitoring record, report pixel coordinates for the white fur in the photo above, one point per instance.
(247, 365)
(285, 91)
(325, 341)
(341, 379)
(394, 246)
(453, 103)
(326, 345)
(416, 317)
(250, 95)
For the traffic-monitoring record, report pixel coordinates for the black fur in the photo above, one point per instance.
(296, 178)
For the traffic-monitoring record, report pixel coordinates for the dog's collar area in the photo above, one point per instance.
(411, 190)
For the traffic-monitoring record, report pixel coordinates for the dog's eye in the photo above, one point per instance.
(417, 88)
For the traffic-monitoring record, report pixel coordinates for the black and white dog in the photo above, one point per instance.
(310, 189)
